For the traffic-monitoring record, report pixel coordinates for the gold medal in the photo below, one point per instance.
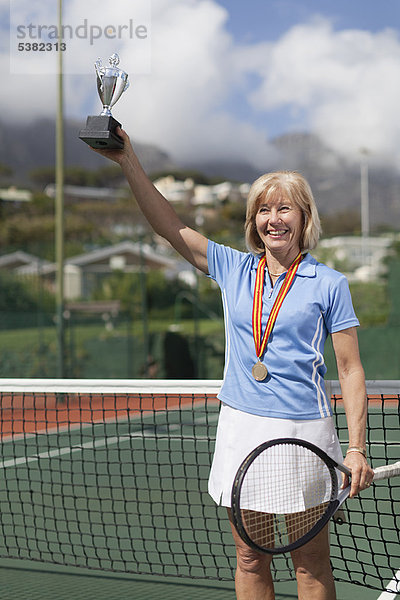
(259, 371)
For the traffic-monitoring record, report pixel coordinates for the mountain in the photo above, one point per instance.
(334, 181)
(25, 147)
(230, 170)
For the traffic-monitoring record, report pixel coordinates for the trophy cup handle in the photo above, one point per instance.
(99, 69)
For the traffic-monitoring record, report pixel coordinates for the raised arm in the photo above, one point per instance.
(157, 210)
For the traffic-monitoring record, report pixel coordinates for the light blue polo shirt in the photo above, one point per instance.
(318, 303)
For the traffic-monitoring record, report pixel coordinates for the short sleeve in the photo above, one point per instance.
(340, 312)
(222, 260)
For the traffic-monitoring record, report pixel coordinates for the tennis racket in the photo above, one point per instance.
(285, 491)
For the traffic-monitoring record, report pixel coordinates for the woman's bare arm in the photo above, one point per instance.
(352, 383)
(158, 211)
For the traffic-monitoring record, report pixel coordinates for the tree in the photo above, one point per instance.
(182, 175)
(23, 295)
(5, 171)
(109, 176)
(341, 223)
(371, 303)
(42, 176)
(161, 293)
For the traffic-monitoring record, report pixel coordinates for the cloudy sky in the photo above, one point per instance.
(221, 78)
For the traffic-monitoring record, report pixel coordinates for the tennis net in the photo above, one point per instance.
(112, 475)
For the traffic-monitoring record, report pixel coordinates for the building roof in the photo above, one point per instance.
(20, 259)
(133, 252)
(88, 192)
(124, 256)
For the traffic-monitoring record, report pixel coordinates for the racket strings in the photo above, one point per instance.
(278, 531)
(285, 492)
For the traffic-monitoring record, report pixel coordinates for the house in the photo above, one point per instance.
(19, 261)
(82, 273)
(77, 192)
(188, 192)
(13, 194)
(362, 258)
(175, 190)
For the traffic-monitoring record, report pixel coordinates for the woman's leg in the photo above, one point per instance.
(253, 579)
(313, 569)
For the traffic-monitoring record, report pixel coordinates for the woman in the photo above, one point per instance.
(273, 385)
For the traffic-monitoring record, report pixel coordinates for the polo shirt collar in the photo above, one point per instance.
(307, 267)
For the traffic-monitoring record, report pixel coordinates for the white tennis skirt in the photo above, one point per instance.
(239, 433)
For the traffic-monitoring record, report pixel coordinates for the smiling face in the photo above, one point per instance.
(279, 224)
(290, 190)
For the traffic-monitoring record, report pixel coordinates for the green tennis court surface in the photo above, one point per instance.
(117, 482)
(17, 583)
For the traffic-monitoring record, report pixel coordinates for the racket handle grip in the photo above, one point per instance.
(343, 495)
(387, 471)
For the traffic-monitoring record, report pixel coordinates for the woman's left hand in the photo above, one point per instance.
(361, 473)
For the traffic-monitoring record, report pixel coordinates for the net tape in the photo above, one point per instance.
(112, 475)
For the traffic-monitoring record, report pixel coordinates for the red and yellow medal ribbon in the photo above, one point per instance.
(261, 343)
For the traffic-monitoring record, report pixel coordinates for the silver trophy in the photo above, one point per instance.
(111, 83)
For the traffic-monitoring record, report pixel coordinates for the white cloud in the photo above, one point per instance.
(345, 85)
(181, 106)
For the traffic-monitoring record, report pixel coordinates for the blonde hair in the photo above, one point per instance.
(293, 187)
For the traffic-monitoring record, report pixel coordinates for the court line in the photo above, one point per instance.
(101, 443)
(393, 586)
(71, 427)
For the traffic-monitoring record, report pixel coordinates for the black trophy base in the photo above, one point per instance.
(100, 132)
